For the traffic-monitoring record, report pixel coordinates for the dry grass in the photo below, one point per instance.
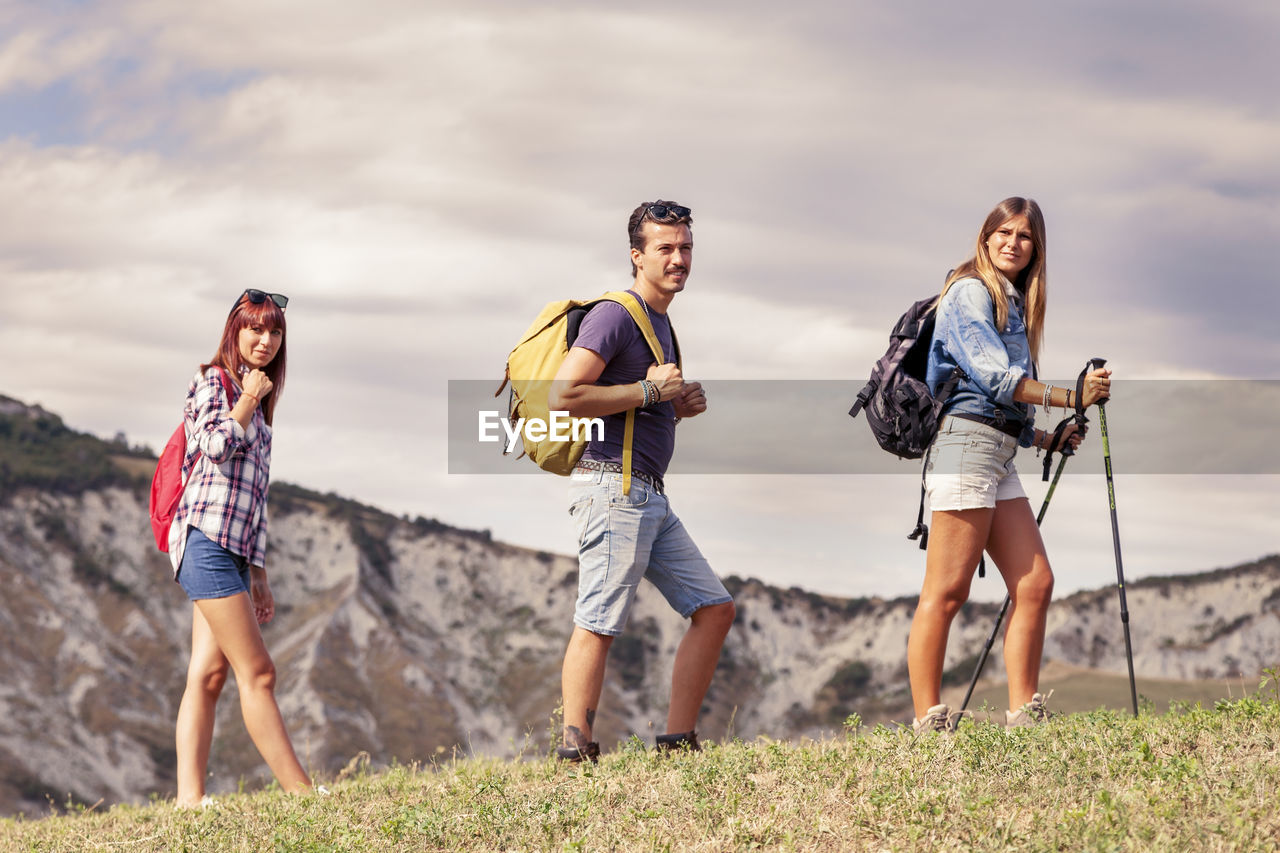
(1202, 779)
(1077, 689)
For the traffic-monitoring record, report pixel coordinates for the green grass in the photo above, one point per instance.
(1077, 689)
(1192, 779)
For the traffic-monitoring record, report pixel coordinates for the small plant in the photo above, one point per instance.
(556, 731)
(1270, 683)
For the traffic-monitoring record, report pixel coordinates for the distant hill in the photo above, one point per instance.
(409, 638)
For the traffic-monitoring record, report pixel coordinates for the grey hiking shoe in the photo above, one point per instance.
(939, 718)
(1033, 713)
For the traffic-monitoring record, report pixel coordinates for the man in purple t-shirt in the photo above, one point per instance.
(624, 537)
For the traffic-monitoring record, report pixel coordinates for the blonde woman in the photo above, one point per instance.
(990, 324)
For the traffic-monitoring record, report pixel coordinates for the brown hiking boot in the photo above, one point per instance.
(1033, 713)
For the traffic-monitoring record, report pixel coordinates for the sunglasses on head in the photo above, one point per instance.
(257, 297)
(665, 211)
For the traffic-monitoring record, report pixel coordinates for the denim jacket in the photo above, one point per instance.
(994, 362)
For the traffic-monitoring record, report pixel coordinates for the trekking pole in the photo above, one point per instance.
(1079, 420)
(1115, 540)
(995, 629)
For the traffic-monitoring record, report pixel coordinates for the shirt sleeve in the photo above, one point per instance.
(972, 339)
(259, 556)
(1028, 433)
(607, 330)
(218, 434)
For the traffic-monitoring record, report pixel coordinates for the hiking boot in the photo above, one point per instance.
(575, 754)
(1033, 713)
(681, 741)
(939, 718)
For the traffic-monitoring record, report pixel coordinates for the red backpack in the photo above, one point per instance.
(167, 483)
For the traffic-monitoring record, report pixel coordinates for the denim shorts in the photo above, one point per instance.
(970, 466)
(210, 571)
(623, 538)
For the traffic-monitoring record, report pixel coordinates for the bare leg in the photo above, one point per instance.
(1018, 551)
(206, 675)
(695, 663)
(955, 546)
(581, 680)
(235, 630)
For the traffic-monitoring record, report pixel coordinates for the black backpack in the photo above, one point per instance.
(903, 415)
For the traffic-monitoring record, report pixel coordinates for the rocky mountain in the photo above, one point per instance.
(411, 640)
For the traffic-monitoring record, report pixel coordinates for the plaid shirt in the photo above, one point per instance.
(225, 469)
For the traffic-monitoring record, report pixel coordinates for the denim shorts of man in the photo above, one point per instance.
(624, 534)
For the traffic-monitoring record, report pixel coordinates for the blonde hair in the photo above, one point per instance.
(1032, 281)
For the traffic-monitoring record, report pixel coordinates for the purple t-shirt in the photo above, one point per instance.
(610, 333)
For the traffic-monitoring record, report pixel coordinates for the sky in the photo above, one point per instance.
(420, 178)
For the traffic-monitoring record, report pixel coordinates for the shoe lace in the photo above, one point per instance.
(1036, 708)
(943, 721)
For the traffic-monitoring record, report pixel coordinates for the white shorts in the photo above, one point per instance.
(970, 466)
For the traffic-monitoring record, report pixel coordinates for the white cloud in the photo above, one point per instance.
(421, 180)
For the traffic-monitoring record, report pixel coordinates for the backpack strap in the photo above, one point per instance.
(641, 317)
(921, 531)
(864, 396)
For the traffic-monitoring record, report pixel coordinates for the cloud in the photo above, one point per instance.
(422, 179)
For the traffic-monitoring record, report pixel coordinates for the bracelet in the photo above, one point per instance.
(651, 393)
(1068, 405)
(257, 401)
(1048, 395)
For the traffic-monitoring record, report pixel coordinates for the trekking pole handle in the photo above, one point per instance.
(1093, 364)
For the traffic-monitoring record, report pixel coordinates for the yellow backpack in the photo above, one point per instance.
(532, 366)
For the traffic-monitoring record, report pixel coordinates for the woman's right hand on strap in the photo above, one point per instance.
(1097, 387)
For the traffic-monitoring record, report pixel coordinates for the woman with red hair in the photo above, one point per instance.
(217, 542)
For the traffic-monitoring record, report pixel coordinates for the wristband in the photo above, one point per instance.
(651, 394)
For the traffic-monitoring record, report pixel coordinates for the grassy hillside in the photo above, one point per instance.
(37, 450)
(1076, 689)
(1199, 779)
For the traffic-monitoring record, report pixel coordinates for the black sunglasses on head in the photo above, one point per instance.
(257, 297)
(665, 211)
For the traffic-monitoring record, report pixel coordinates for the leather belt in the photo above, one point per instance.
(651, 481)
(1013, 429)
